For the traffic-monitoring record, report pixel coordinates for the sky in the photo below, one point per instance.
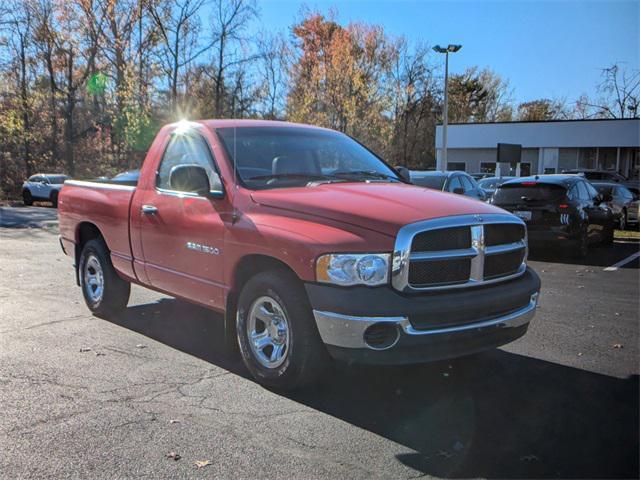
(547, 49)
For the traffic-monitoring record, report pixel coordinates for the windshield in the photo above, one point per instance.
(430, 181)
(603, 189)
(57, 179)
(277, 157)
(492, 183)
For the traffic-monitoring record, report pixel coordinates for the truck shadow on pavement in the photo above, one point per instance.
(495, 415)
(599, 255)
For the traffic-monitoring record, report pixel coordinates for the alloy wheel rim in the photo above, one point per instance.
(93, 279)
(268, 332)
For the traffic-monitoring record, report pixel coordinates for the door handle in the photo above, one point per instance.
(149, 209)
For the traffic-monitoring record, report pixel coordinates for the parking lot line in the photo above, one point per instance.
(622, 262)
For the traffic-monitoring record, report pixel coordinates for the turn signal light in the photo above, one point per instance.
(563, 205)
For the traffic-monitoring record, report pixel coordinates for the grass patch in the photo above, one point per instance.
(627, 234)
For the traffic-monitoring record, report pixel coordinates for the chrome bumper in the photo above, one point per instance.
(348, 331)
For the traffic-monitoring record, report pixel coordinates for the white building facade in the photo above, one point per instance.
(547, 147)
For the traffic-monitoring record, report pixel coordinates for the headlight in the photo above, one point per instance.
(353, 269)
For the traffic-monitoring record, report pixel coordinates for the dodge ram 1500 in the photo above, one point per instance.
(311, 245)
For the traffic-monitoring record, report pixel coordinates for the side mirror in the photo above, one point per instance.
(459, 190)
(404, 173)
(194, 179)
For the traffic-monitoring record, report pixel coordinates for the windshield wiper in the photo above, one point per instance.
(364, 173)
(310, 176)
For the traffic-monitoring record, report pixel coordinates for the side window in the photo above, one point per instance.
(582, 191)
(467, 183)
(593, 193)
(184, 150)
(454, 183)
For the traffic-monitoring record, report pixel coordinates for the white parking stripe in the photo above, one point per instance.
(615, 266)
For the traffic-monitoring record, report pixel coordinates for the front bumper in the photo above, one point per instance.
(422, 327)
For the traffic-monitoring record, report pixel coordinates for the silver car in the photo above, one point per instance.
(43, 187)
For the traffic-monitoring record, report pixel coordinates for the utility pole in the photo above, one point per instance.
(445, 115)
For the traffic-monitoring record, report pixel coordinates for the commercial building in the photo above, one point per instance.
(547, 147)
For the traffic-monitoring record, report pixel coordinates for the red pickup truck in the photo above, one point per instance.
(312, 247)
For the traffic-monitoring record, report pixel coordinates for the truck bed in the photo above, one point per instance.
(105, 205)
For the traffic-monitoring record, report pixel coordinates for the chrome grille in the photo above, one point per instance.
(461, 251)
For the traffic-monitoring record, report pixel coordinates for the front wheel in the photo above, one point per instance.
(27, 198)
(608, 234)
(582, 243)
(105, 293)
(278, 339)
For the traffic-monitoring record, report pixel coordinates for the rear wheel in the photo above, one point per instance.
(105, 293)
(277, 335)
(622, 221)
(27, 198)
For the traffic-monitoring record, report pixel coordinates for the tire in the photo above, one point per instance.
(608, 233)
(582, 243)
(622, 221)
(27, 198)
(105, 293)
(301, 358)
(53, 198)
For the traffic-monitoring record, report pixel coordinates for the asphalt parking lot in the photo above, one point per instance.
(86, 397)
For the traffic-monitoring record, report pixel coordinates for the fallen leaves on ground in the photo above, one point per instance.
(174, 421)
(174, 456)
(203, 463)
(85, 349)
(140, 345)
(618, 345)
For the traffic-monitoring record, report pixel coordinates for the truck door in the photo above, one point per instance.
(182, 232)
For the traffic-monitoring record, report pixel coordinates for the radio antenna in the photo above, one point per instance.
(235, 178)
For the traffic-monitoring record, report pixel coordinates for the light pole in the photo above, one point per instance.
(445, 115)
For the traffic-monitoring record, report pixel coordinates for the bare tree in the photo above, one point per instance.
(273, 71)
(230, 19)
(178, 27)
(20, 26)
(620, 93)
(69, 35)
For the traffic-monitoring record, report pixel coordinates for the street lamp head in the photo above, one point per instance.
(454, 48)
(439, 49)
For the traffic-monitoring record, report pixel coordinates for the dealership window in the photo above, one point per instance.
(607, 158)
(456, 166)
(567, 158)
(587, 158)
(487, 167)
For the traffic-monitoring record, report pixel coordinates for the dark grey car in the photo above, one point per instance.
(621, 200)
(455, 182)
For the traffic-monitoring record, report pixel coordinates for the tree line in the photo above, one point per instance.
(86, 84)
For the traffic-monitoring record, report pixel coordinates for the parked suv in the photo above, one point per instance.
(558, 208)
(621, 201)
(455, 182)
(43, 187)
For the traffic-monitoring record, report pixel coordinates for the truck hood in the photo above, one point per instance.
(381, 207)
